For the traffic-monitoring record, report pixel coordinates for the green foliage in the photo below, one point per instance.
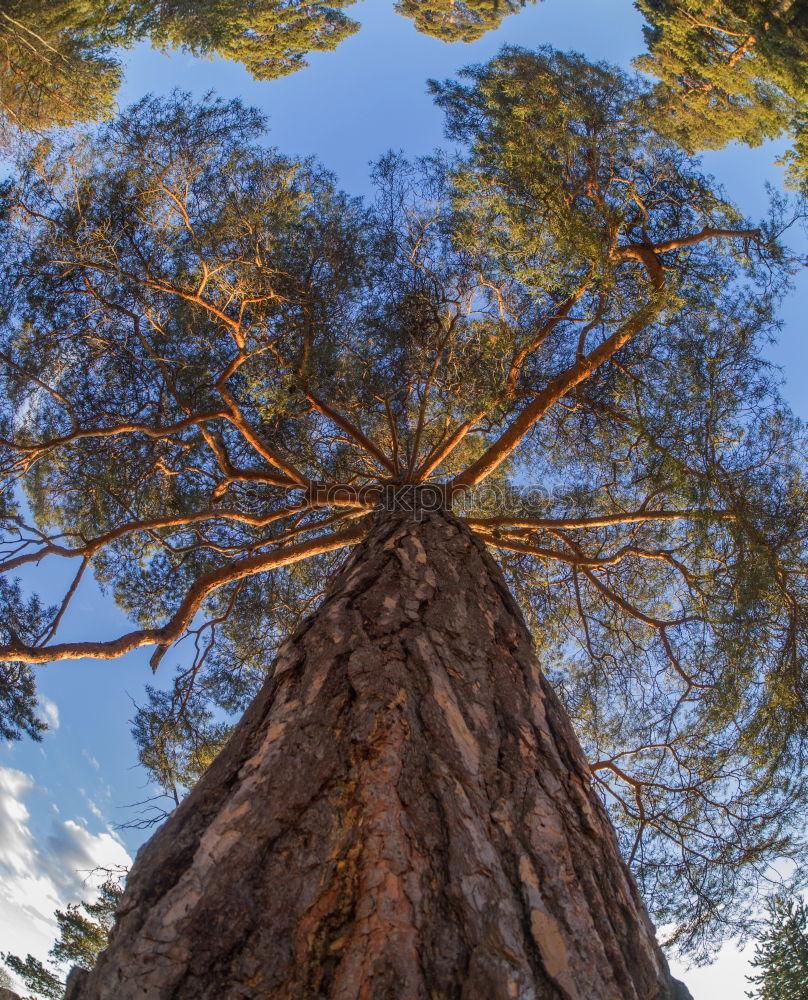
(458, 20)
(270, 38)
(36, 977)
(565, 163)
(729, 70)
(58, 65)
(83, 933)
(18, 703)
(212, 358)
(781, 952)
(20, 617)
(177, 737)
(179, 732)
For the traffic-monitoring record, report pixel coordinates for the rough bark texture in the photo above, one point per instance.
(403, 813)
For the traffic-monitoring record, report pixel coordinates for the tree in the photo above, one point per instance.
(781, 952)
(730, 70)
(221, 372)
(59, 68)
(6, 984)
(458, 20)
(177, 739)
(56, 66)
(18, 701)
(271, 38)
(82, 935)
(38, 978)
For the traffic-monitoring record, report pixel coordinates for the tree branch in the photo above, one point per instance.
(557, 388)
(198, 592)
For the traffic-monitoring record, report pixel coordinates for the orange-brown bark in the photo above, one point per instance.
(403, 814)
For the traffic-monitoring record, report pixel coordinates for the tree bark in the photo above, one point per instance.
(403, 813)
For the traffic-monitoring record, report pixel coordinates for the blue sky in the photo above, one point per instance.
(61, 801)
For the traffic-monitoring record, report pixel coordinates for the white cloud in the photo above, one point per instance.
(36, 878)
(723, 980)
(50, 711)
(92, 806)
(72, 853)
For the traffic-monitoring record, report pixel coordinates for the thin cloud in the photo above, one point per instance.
(49, 711)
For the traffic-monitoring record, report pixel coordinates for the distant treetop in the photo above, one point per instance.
(729, 70)
(732, 70)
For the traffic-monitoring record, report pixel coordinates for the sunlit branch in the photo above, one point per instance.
(598, 521)
(511, 438)
(419, 427)
(441, 451)
(560, 314)
(647, 254)
(46, 638)
(706, 233)
(238, 420)
(391, 423)
(575, 557)
(351, 430)
(143, 280)
(33, 450)
(317, 496)
(197, 593)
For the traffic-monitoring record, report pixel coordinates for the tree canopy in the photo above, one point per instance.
(781, 952)
(734, 70)
(59, 65)
(83, 933)
(56, 65)
(737, 69)
(271, 38)
(216, 365)
(458, 20)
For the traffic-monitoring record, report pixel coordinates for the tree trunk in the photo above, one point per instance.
(403, 813)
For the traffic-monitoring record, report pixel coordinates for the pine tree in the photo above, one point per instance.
(730, 70)
(781, 952)
(56, 66)
(82, 936)
(221, 373)
(58, 62)
(40, 980)
(458, 20)
(270, 38)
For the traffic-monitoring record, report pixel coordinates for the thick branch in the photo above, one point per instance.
(352, 431)
(598, 521)
(561, 313)
(707, 233)
(648, 253)
(198, 592)
(557, 388)
(444, 448)
(101, 432)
